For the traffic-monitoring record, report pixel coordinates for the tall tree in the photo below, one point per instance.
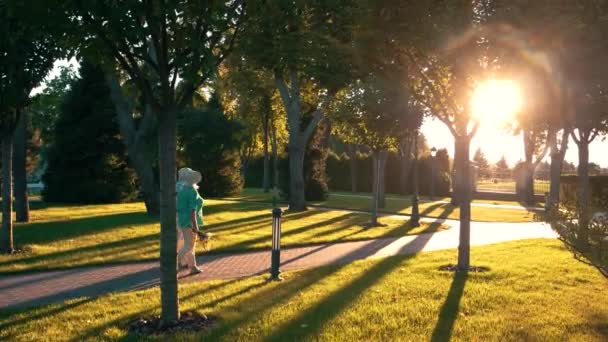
(482, 163)
(502, 167)
(306, 50)
(28, 47)
(252, 93)
(168, 49)
(444, 80)
(374, 111)
(87, 161)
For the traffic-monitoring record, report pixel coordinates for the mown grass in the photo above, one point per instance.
(63, 236)
(540, 186)
(403, 205)
(534, 291)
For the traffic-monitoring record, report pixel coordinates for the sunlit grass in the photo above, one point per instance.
(403, 205)
(534, 290)
(68, 236)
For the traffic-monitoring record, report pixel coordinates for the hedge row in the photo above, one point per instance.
(339, 174)
(598, 189)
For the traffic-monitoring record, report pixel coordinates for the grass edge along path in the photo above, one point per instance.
(402, 206)
(394, 298)
(65, 237)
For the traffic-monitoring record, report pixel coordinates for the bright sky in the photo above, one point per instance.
(496, 142)
(494, 104)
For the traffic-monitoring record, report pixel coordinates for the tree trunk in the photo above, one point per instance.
(266, 177)
(22, 207)
(463, 187)
(375, 187)
(6, 234)
(381, 180)
(583, 191)
(557, 160)
(528, 171)
(275, 158)
(352, 155)
(297, 199)
(168, 235)
(528, 189)
(456, 175)
(405, 166)
(134, 140)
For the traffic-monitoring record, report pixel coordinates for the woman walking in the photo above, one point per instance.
(189, 217)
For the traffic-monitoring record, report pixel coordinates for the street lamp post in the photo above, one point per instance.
(415, 220)
(433, 155)
(275, 256)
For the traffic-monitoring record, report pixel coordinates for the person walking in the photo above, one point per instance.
(189, 217)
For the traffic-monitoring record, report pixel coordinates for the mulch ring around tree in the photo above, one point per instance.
(454, 268)
(190, 321)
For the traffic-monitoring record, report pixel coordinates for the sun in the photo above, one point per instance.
(496, 101)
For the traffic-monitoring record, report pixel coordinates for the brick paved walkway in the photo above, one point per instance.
(54, 286)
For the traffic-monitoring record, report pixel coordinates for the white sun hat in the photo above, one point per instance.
(189, 176)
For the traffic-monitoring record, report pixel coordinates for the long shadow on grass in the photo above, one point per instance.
(449, 310)
(121, 321)
(258, 221)
(330, 307)
(253, 308)
(41, 314)
(132, 243)
(267, 237)
(45, 232)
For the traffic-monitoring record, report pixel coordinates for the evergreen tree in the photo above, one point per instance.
(209, 143)
(482, 163)
(502, 168)
(87, 162)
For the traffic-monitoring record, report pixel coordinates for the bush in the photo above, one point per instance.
(598, 189)
(340, 176)
(87, 162)
(210, 144)
(565, 222)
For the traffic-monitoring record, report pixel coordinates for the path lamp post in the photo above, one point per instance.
(433, 162)
(415, 219)
(275, 257)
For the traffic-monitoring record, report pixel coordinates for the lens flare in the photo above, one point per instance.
(496, 101)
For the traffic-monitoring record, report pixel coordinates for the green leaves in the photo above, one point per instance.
(27, 51)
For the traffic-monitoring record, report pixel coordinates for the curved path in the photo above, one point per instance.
(53, 286)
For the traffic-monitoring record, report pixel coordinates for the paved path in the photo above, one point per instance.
(46, 287)
(474, 204)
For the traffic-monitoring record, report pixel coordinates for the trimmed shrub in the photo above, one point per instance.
(598, 189)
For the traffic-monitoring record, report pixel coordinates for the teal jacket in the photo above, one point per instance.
(188, 199)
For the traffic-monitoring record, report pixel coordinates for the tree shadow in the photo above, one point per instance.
(126, 244)
(286, 233)
(449, 310)
(212, 208)
(40, 314)
(45, 232)
(253, 307)
(331, 306)
(122, 320)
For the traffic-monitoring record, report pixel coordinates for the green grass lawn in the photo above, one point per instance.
(63, 236)
(534, 291)
(540, 186)
(403, 205)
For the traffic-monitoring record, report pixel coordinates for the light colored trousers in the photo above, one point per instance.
(185, 254)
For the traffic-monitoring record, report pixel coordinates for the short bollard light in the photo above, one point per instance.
(275, 273)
